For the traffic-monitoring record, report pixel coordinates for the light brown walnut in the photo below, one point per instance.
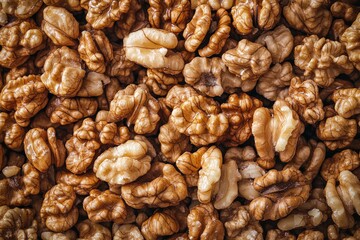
(162, 186)
(325, 94)
(203, 223)
(135, 104)
(58, 210)
(104, 207)
(279, 42)
(11, 133)
(281, 192)
(63, 74)
(110, 133)
(275, 234)
(310, 16)
(347, 101)
(346, 11)
(126, 231)
(90, 230)
(200, 118)
(67, 235)
(70, 5)
(82, 184)
(160, 83)
(337, 132)
(179, 94)
(150, 47)
(26, 95)
(249, 14)
(93, 85)
(276, 130)
(130, 21)
(311, 235)
(60, 26)
(214, 4)
(21, 9)
(322, 59)
(338, 27)
(28, 68)
(351, 39)
(120, 66)
(239, 110)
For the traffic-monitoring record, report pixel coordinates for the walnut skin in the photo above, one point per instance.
(160, 83)
(21, 9)
(347, 102)
(126, 231)
(350, 38)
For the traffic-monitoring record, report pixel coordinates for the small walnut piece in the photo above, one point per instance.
(126, 231)
(11, 133)
(345, 11)
(311, 235)
(149, 47)
(89, 230)
(351, 39)
(160, 83)
(347, 101)
(82, 184)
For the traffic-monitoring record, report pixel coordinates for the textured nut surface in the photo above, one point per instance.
(82, 184)
(89, 230)
(160, 83)
(12, 134)
(126, 231)
(347, 101)
(21, 9)
(350, 38)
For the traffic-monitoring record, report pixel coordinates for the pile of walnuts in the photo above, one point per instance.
(180, 119)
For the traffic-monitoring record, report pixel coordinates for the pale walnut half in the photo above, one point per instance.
(322, 59)
(281, 192)
(310, 16)
(93, 85)
(63, 73)
(82, 184)
(60, 26)
(162, 186)
(149, 47)
(337, 132)
(58, 210)
(26, 95)
(347, 101)
(351, 39)
(126, 231)
(11, 133)
(90, 230)
(105, 207)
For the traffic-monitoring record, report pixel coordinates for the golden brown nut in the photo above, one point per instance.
(11, 133)
(17, 223)
(275, 82)
(28, 68)
(203, 223)
(322, 59)
(104, 207)
(309, 16)
(179, 94)
(350, 38)
(21, 9)
(70, 5)
(347, 101)
(131, 20)
(345, 11)
(103, 13)
(63, 73)
(42, 148)
(337, 132)
(162, 186)
(281, 192)
(60, 26)
(136, 104)
(110, 133)
(26, 95)
(82, 184)
(238, 223)
(210, 162)
(275, 234)
(126, 231)
(58, 209)
(239, 110)
(338, 27)
(279, 42)
(70, 110)
(248, 60)
(160, 83)
(67, 235)
(90, 230)
(344, 160)
(214, 4)
(276, 131)
(120, 66)
(93, 85)
(304, 98)
(248, 14)
(205, 75)
(149, 47)
(200, 119)
(123, 164)
(311, 235)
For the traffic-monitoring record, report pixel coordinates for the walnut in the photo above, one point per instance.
(69, 110)
(276, 131)
(58, 209)
(343, 199)
(169, 15)
(149, 47)
(179, 94)
(130, 21)
(28, 68)
(136, 104)
(344, 160)
(63, 30)
(347, 101)
(311, 235)
(67, 235)
(42, 148)
(21, 9)
(200, 119)
(203, 223)
(102, 14)
(89, 230)
(275, 82)
(275, 234)
(110, 133)
(95, 50)
(279, 42)
(239, 110)
(350, 38)
(11, 133)
(12, 192)
(26, 95)
(160, 83)
(214, 4)
(93, 85)
(63, 73)
(70, 5)
(281, 192)
(162, 186)
(17, 223)
(126, 231)
(248, 60)
(326, 93)
(205, 75)
(322, 59)
(104, 206)
(120, 66)
(337, 132)
(82, 184)
(337, 29)
(345, 11)
(210, 162)
(304, 98)
(309, 16)
(238, 223)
